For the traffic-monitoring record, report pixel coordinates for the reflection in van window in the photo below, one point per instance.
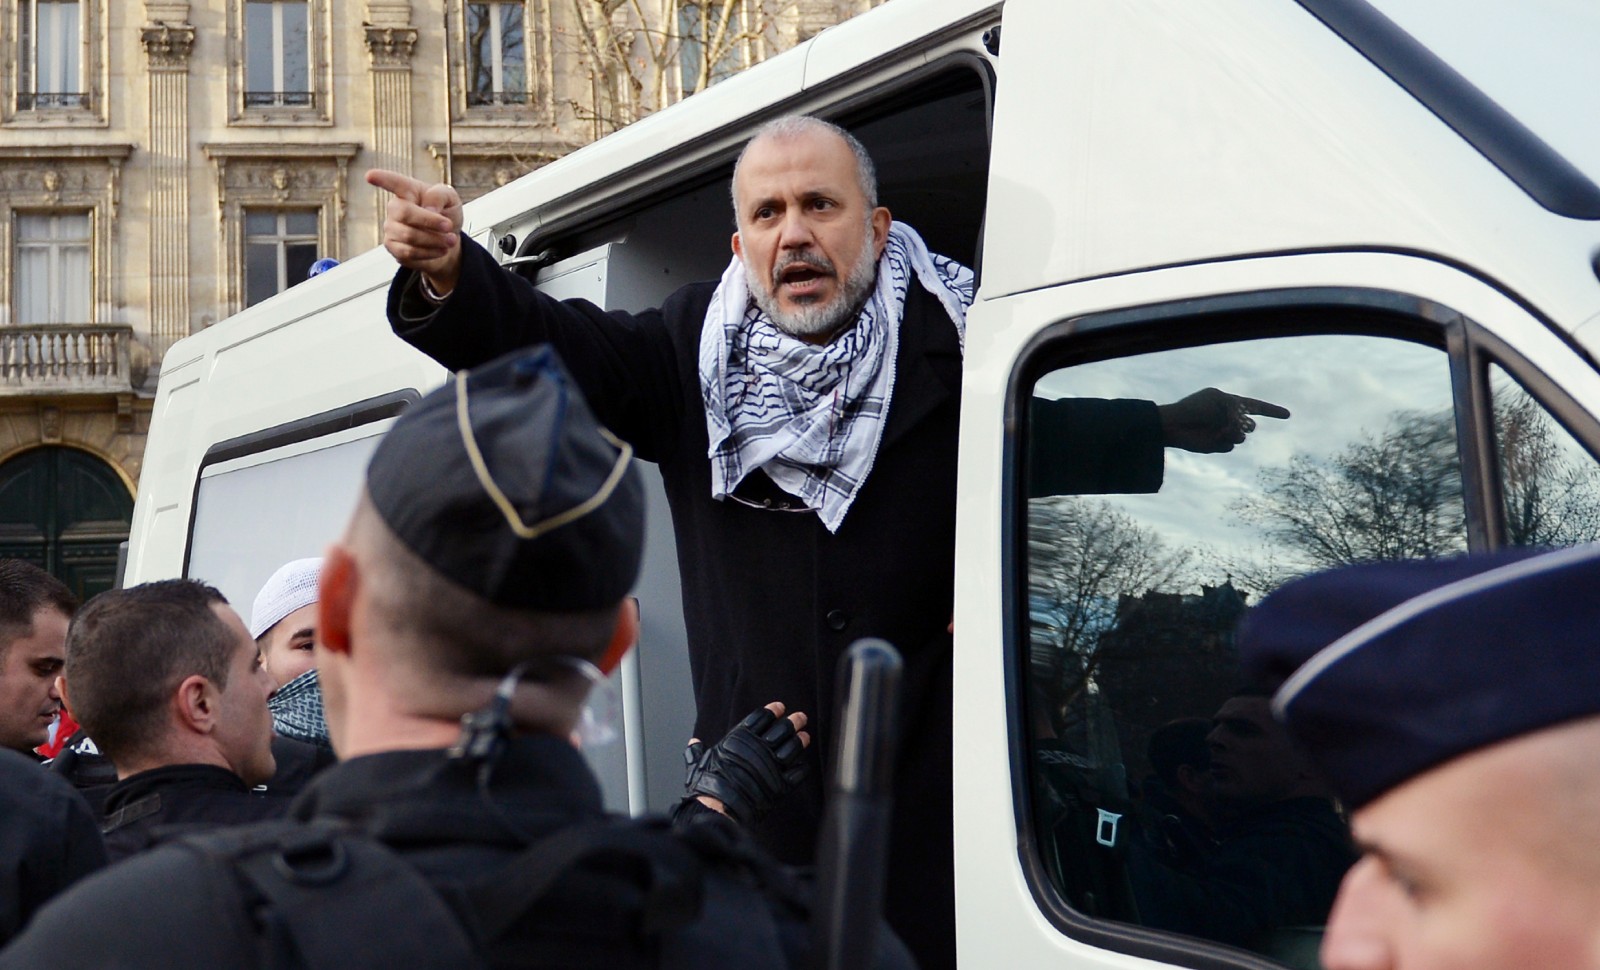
(1549, 485)
(1163, 792)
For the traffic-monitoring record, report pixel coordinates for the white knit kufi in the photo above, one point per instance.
(294, 585)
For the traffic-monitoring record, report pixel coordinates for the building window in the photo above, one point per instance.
(279, 248)
(278, 62)
(716, 44)
(497, 54)
(53, 267)
(279, 66)
(50, 61)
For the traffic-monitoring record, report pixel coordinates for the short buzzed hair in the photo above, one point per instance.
(129, 649)
(791, 125)
(24, 590)
(443, 627)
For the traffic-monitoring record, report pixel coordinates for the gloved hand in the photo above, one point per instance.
(755, 765)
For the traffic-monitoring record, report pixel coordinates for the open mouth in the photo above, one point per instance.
(803, 275)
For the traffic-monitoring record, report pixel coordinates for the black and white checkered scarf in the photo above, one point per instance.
(812, 416)
(297, 710)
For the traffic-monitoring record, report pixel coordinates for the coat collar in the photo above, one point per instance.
(928, 369)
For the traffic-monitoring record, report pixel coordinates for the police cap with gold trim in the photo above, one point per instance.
(503, 481)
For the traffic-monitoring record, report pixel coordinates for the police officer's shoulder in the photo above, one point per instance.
(160, 909)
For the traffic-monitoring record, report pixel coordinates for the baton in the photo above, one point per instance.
(855, 827)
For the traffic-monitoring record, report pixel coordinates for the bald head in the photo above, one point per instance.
(791, 127)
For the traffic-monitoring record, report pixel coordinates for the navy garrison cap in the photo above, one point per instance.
(504, 482)
(1391, 669)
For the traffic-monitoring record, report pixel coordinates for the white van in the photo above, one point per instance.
(1289, 199)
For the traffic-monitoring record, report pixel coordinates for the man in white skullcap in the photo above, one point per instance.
(284, 624)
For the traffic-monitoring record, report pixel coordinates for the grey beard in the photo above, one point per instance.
(819, 319)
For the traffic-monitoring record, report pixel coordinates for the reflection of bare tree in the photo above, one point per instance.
(1551, 499)
(1396, 495)
(1083, 557)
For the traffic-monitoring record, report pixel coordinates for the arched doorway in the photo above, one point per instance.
(66, 511)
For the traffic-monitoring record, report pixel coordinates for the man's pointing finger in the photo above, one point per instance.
(403, 186)
(1264, 408)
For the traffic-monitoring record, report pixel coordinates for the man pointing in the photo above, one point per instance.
(803, 411)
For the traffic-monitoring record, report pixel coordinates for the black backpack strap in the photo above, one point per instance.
(325, 896)
(701, 902)
(666, 872)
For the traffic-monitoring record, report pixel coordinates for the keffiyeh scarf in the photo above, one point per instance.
(812, 416)
(297, 710)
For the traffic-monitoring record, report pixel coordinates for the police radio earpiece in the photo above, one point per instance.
(484, 732)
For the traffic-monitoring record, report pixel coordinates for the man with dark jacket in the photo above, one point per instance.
(821, 377)
(34, 610)
(48, 841)
(1280, 847)
(166, 679)
(464, 616)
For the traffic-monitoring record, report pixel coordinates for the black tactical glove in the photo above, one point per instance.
(757, 763)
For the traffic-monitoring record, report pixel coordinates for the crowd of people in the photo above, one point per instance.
(444, 645)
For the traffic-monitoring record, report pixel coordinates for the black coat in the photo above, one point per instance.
(143, 809)
(771, 598)
(177, 907)
(48, 839)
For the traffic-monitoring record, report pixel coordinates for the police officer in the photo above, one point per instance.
(166, 680)
(476, 595)
(49, 840)
(1453, 707)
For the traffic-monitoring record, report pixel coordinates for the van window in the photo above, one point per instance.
(1549, 485)
(1162, 794)
(254, 513)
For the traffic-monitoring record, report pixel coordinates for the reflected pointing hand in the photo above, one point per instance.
(1210, 421)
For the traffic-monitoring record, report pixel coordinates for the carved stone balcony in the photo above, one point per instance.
(65, 358)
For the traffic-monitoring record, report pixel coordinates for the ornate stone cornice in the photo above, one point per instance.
(167, 44)
(391, 46)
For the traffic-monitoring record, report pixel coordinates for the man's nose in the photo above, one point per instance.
(1354, 939)
(796, 230)
(55, 689)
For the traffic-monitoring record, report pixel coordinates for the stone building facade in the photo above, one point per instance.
(165, 164)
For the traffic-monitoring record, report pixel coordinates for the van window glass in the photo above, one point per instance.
(1549, 485)
(1163, 793)
(254, 514)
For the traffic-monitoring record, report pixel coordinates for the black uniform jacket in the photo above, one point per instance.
(48, 839)
(166, 908)
(771, 599)
(144, 808)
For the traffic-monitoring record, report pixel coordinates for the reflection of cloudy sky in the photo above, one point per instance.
(1338, 389)
(1535, 57)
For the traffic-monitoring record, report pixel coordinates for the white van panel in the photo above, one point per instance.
(998, 920)
(1196, 129)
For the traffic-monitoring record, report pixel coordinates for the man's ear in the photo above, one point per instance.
(195, 702)
(738, 247)
(336, 593)
(623, 637)
(881, 219)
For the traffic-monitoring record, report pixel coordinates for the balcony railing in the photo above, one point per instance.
(280, 99)
(52, 100)
(64, 358)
